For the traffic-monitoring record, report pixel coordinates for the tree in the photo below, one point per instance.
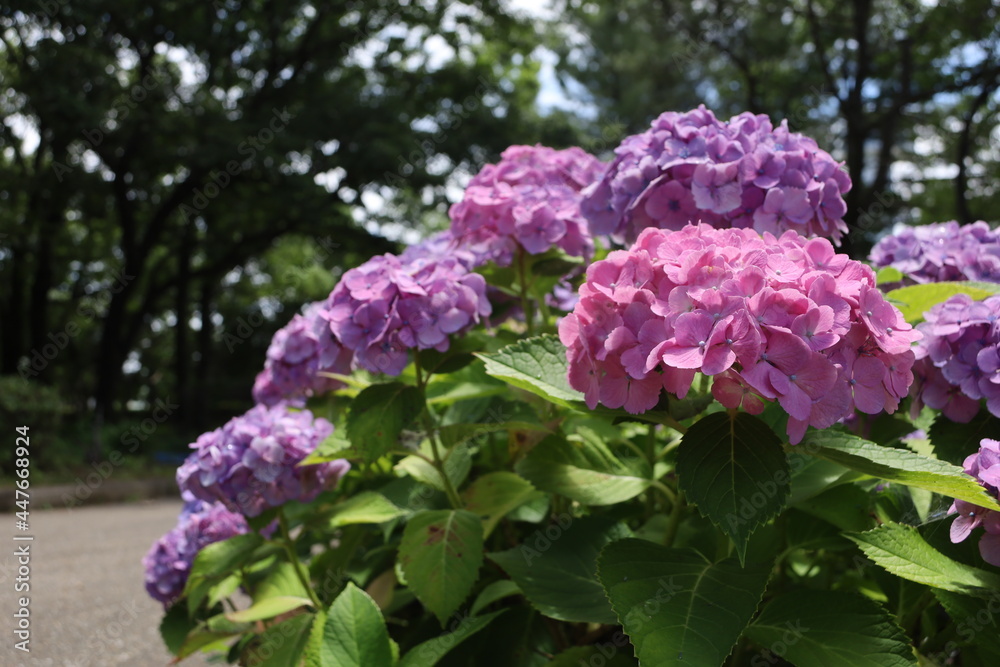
(870, 80)
(147, 152)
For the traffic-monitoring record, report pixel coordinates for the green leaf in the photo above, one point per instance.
(888, 274)
(975, 620)
(428, 653)
(440, 555)
(915, 300)
(312, 655)
(582, 656)
(585, 471)
(268, 608)
(734, 469)
(496, 591)
(216, 562)
(495, 494)
(280, 645)
(457, 466)
(953, 442)
(379, 414)
(354, 633)
(365, 507)
(896, 465)
(281, 581)
(903, 551)
(556, 569)
(677, 607)
(818, 628)
(536, 364)
(175, 626)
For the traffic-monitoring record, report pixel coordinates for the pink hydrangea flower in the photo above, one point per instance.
(781, 319)
(529, 200)
(745, 173)
(984, 465)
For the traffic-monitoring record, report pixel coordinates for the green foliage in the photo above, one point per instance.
(733, 468)
(897, 465)
(537, 365)
(585, 471)
(440, 556)
(814, 628)
(677, 607)
(902, 551)
(379, 414)
(354, 633)
(558, 575)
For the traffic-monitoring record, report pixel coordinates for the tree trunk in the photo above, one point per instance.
(182, 353)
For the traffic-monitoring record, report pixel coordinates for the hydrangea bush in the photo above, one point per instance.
(943, 251)
(733, 448)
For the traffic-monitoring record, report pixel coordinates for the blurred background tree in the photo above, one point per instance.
(178, 179)
(905, 92)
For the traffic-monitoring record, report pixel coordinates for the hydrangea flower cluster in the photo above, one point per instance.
(959, 358)
(783, 319)
(250, 464)
(168, 562)
(530, 199)
(390, 304)
(984, 465)
(691, 167)
(941, 251)
(298, 353)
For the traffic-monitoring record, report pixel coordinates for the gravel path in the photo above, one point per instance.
(87, 601)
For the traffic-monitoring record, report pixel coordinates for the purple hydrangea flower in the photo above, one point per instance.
(531, 200)
(783, 319)
(984, 465)
(168, 562)
(941, 251)
(745, 173)
(391, 304)
(251, 463)
(959, 358)
(298, 355)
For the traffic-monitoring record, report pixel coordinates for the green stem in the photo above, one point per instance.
(287, 543)
(432, 436)
(674, 522)
(526, 303)
(665, 490)
(674, 424)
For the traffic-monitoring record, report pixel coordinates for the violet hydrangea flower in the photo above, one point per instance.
(784, 319)
(941, 251)
(959, 358)
(297, 357)
(744, 173)
(391, 304)
(251, 463)
(984, 465)
(168, 562)
(531, 200)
